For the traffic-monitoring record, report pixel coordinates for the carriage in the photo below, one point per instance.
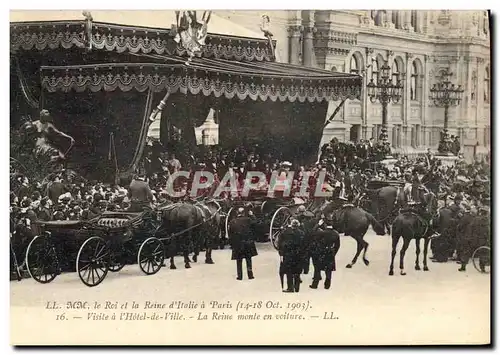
(273, 212)
(105, 243)
(54, 246)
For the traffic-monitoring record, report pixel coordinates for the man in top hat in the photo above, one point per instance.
(242, 240)
(323, 244)
(290, 247)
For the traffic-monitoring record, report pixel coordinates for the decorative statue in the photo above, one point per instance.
(41, 134)
(191, 33)
(265, 27)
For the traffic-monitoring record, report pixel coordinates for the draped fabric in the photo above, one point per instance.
(288, 130)
(51, 35)
(90, 118)
(264, 81)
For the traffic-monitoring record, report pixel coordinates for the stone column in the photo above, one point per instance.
(407, 20)
(308, 52)
(295, 35)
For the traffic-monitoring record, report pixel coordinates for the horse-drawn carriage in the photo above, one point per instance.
(105, 243)
(272, 212)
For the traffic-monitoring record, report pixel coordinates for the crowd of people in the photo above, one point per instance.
(64, 195)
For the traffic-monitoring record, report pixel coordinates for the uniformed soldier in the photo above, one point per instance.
(324, 245)
(290, 246)
(242, 240)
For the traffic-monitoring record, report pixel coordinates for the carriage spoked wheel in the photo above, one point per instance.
(92, 261)
(481, 259)
(116, 259)
(278, 223)
(41, 260)
(151, 256)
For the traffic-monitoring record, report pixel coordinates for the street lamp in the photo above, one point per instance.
(446, 94)
(384, 90)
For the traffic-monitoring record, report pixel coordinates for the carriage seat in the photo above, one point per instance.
(348, 205)
(60, 224)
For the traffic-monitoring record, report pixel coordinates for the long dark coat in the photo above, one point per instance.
(323, 245)
(291, 247)
(242, 238)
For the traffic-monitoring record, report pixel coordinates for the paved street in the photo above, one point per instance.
(364, 305)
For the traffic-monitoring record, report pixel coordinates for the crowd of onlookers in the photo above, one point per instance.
(66, 196)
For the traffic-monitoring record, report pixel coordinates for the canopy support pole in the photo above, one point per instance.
(332, 117)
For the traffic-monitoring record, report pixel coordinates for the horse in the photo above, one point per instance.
(352, 221)
(410, 225)
(192, 223)
(208, 235)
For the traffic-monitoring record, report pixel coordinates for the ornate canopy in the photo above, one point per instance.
(228, 66)
(273, 81)
(129, 39)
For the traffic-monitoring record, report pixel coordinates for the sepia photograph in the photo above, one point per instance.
(250, 177)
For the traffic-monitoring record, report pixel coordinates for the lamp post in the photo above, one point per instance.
(446, 94)
(385, 90)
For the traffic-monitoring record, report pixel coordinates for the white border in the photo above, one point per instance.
(194, 4)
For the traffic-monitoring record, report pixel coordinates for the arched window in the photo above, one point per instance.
(414, 82)
(487, 85)
(334, 69)
(414, 19)
(375, 71)
(395, 72)
(354, 67)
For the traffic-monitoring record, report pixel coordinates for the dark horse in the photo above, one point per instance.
(384, 203)
(194, 226)
(413, 224)
(352, 221)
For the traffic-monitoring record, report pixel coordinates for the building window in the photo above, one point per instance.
(414, 19)
(354, 67)
(375, 71)
(473, 87)
(334, 69)
(487, 85)
(395, 72)
(414, 82)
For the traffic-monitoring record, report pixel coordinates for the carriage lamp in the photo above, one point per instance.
(384, 88)
(445, 94)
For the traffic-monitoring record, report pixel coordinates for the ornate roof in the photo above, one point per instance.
(46, 35)
(262, 80)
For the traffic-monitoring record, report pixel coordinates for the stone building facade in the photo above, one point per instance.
(418, 45)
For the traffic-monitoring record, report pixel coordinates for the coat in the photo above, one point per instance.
(322, 247)
(291, 247)
(242, 238)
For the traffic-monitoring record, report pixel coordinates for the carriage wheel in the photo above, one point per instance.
(481, 259)
(229, 217)
(278, 222)
(41, 260)
(151, 256)
(92, 261)
(116, 260)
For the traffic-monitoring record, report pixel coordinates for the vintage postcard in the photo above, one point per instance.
(229, 177)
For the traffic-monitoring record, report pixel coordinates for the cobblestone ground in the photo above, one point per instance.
(364, 305)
